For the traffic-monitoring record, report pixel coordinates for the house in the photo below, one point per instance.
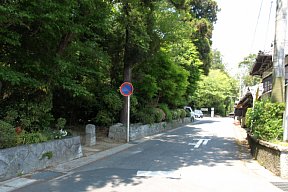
(241, 107)
(263, 67)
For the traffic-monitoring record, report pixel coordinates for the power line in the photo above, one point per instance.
(256, 26)
(267, 29)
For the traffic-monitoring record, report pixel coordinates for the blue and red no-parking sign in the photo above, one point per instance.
(126, 89)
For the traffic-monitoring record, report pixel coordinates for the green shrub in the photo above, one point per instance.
(175, 114)
(146, 116)
(113, 101)
(104, 118)
(249, 120)
(183, 113)
(133, 105)
(48, 155)
(11, 137)
(265, 120)
(61, 122)
(149, 115)
(168, 114)
(59, 134)
(33, 114)
(7, 135)
(30, 138)
(159, 115)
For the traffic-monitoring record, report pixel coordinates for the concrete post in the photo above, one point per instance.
(212, 112)
(90, 137)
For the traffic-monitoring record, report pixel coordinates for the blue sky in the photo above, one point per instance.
(238, 31)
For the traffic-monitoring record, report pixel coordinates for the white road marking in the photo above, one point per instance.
(206, 141)
(167, 174)
(200, 141)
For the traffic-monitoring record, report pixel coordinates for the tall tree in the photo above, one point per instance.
(71, 56)
(245, 67)
(215, 90)
(133, 22)
(177, 56)
(217, 61)
(50, 47)
(205, 13)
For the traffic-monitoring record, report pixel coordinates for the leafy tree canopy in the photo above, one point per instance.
(68, 58)
(245, 67)
(217, 62)
(214, 91)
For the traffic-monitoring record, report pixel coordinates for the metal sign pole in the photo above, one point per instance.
(126, 89)
(128, 118)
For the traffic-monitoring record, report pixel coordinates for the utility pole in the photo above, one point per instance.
(278, 84)
(277, 94)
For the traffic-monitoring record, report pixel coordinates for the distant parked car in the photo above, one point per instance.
(198, 113)
(191, 112)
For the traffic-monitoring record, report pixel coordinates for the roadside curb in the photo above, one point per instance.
(68, 166)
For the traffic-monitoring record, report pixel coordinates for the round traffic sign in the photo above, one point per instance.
(126, 89)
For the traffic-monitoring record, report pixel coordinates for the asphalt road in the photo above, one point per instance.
(201, 157)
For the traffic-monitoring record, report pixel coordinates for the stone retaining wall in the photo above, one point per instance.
(24, 159)
(273, 157)
(138, 131)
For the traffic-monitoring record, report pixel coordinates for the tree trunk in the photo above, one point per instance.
(65, 40)
(127, 64)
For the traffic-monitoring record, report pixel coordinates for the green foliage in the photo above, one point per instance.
(250, 115)
(7, 135)
(204, 9)
(168, 81)
(265, 120)
(146, 115)
(159, 115)
(61, 122)
(202, 41)
(48, 155)
(11, 137)
(182, 113)
(104, 117)
(214, 90)
(111, 106)
(57, 134)
(245, 67)
(217, 62)
(149, 115)
(66, 59)
(31, 114)
(168, 114)
(148, 87)
(113, 101)
(177, 114)
(30, 138)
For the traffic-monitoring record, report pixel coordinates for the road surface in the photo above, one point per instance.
(200, 157)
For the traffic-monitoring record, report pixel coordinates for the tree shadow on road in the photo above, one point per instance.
(171, 151)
